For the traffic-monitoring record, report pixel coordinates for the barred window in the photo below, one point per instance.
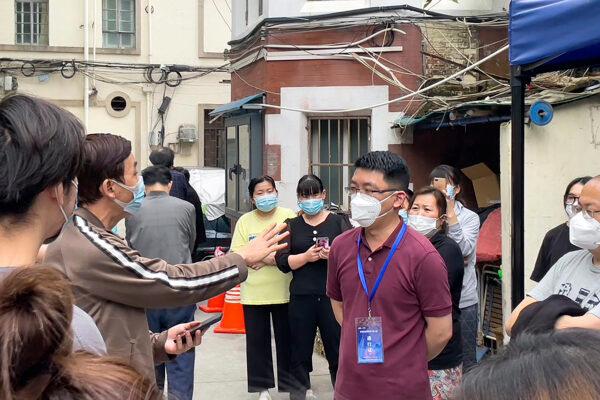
(335, 144)
(31, 22)
(118, 24)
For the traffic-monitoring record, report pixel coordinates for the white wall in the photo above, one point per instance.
(175, 40)
(289, 129)
(567, 148)
(292, 8)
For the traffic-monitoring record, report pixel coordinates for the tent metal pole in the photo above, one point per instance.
(518, 82)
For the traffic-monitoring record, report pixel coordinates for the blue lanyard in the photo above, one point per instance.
(361, 271)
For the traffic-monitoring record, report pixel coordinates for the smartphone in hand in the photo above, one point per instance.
(204, 325)
(323, 242)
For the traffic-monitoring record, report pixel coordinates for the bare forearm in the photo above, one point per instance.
(297, 261)
(436, 341)
(338, 311)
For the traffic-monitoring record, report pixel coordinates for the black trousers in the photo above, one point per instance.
(259, 357)
(307, 312)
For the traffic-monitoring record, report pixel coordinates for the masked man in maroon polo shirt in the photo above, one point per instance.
(389, 290)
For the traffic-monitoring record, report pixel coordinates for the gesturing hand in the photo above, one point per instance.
(264, 244)
(175, 334)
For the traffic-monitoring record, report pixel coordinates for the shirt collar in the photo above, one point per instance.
(89, 217)
(458, 207)
(157, 193)
(389, 242)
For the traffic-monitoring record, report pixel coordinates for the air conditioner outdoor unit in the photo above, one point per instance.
(187, 133)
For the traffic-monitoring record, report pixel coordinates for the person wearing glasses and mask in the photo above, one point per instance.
(556, 242)
(306, 257)
(575, 275)
(427, 216)
(388, 288)
(265, 294)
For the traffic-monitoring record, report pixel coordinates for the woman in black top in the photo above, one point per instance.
(556, 243)
(427, 216)
(306, 256)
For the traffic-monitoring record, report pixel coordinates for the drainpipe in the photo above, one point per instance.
(149, 92)
(86, 79)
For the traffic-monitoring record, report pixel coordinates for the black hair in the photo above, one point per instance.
(260, 179)
(394, 168)
(582, 180)
(41, 145)
(163, 156)
(184, 171)
(309, 185)
(563, 364)
(156, 174)
(447, 172)
(440, 201)
(104, 158)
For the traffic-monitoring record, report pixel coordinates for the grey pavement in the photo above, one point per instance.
(221, 370)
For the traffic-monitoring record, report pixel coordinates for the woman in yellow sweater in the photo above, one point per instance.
(265, 295)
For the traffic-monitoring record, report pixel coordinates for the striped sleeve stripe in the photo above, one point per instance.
(138, 268)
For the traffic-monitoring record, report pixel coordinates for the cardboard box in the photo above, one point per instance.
(485, 184)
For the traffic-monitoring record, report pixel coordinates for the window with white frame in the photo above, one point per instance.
(31, 18)
(335, 144)
(118, 24)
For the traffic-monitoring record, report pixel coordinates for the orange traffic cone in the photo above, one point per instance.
(233, 314)
(214, 305)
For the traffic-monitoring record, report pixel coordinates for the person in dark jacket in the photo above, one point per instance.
(181, 187)
(427, 216)
(306, 257)
(556, 242)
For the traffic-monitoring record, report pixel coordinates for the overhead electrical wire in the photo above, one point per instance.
(405, 97)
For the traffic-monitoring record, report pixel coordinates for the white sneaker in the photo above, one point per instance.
(264, 395)
(310, 395)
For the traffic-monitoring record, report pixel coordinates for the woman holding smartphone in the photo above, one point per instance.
(463, 228)
(306, 257)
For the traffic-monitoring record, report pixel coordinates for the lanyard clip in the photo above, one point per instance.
(369, 309)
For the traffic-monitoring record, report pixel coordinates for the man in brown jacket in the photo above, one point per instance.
(114, 283)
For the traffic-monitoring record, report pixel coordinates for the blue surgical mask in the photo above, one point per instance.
(266, 203)
(404, 215)
(138, 191)
(311, 206)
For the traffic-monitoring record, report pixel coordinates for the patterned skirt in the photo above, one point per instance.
(444, 381)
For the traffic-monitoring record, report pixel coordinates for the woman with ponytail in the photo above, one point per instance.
(36, 346)
(306, 257)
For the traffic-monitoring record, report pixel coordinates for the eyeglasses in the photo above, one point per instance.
(351, 190)
(587, 214)
(571, 199)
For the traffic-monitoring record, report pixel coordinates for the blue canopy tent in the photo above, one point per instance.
(545, 35)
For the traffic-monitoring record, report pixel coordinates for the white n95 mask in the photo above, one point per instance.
(365, 209)
(584, 233)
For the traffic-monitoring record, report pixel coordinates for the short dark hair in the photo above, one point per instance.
(447, 172)
(104, 158)
(581, 180)
(157, 174)
(440, 200)
(41, 145)
(163, 156)
(394, 168)
(184, 171)
(309, 185)
(260, 179)
(563, 364)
